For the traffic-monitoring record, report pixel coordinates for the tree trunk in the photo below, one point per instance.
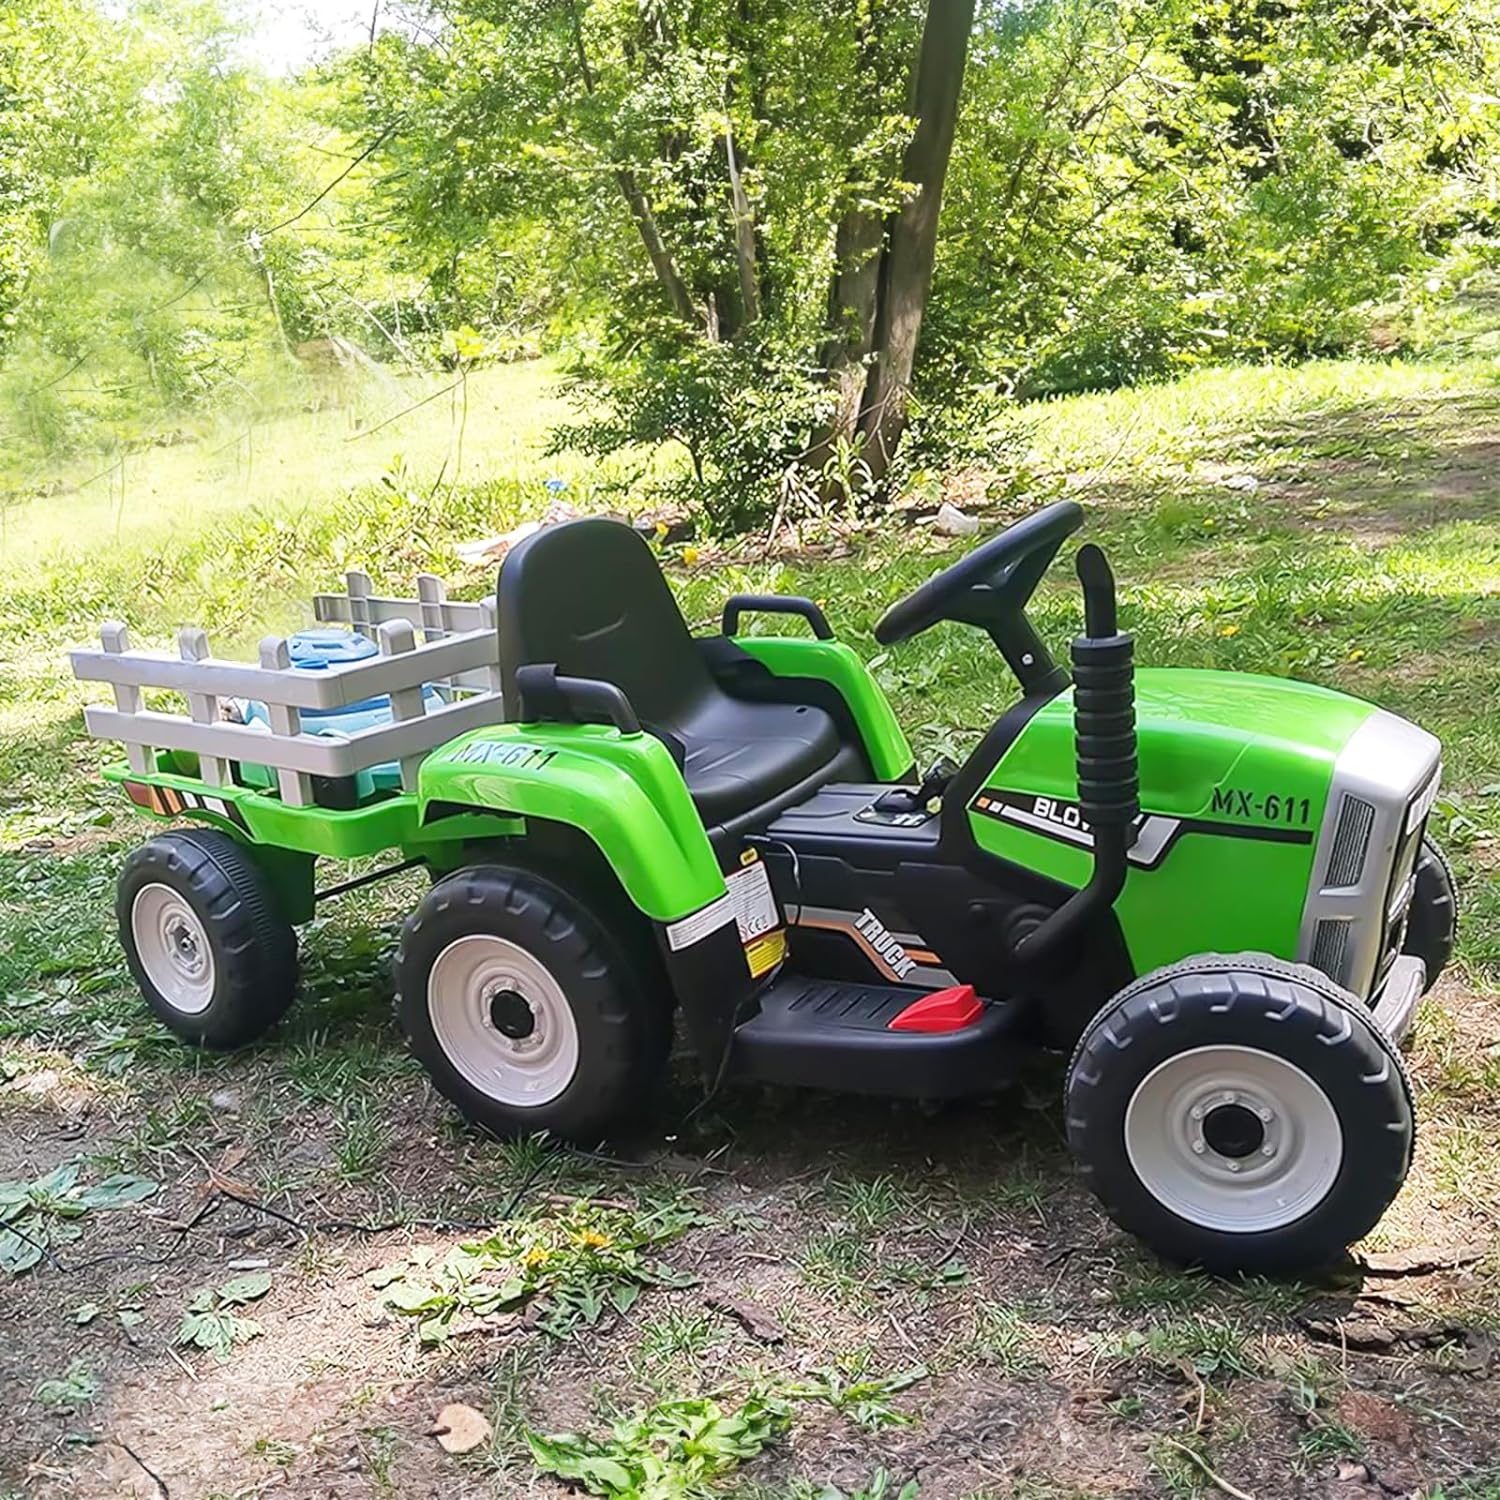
(851, 311)
(661, 258)
(744, 236)
(911, 246)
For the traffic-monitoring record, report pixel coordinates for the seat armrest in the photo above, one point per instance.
(573, 700)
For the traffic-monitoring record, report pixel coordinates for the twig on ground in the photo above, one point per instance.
(144, 1467)
(1217, 1480)
(901, 1332)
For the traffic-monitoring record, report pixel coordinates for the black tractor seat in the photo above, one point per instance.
(588, 598)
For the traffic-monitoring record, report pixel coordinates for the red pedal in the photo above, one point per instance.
(943, 1010)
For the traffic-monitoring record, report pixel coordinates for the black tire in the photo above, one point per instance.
(201, 895)
(1272, 1014)
(575, 977)
(1432, 922)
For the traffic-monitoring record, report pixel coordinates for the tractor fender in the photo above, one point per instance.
(623, 791)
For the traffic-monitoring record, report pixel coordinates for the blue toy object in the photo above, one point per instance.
(317, 649)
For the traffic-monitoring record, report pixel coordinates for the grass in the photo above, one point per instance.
(294, 463)
(1364, 555)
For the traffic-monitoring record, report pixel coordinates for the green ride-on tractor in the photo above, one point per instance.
(1213, 891)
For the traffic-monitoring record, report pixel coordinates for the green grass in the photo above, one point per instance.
(296, 462)
(1366, 556)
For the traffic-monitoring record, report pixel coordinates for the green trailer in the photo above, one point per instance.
(1212, 894)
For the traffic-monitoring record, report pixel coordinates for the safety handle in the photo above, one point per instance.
(776, 604)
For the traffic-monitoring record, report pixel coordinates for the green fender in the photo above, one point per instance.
(835, 663)
(623, 790)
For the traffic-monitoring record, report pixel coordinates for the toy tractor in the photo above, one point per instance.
(1214, 890)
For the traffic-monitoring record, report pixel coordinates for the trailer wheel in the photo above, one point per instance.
(1240, 1113)
(526, 1010)
(1432, 923)
(214, 958)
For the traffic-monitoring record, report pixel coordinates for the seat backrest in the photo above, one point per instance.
(589, 596)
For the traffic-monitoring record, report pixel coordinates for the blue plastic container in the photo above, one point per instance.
(324, 646)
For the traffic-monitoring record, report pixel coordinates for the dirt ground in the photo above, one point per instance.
(1059, 1360)
(1001, 1339)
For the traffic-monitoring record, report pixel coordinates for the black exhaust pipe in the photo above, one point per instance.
(1104, 732)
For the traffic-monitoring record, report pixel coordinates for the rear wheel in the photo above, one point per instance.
(1432, 922)
(213, 956)
(528, 1013)
(1241, 1113)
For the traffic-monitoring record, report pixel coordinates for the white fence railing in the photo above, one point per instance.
(458, 649)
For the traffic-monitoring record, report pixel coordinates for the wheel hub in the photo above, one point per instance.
(511, 1014)
(1233, 1138)
(182, 948)
(503, 1020)
(1233, 1131)
(173, 948)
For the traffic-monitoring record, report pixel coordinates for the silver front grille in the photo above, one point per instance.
(1330, 951)
(1346, 860)
(1383, 779)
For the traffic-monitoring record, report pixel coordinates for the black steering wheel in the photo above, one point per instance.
(990, 588)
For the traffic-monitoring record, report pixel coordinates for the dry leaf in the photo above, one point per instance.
(459, 1429)
(756, 1320)
(1419, 1261)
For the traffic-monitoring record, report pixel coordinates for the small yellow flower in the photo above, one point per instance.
(537, 1255)
(594, 1240)
(661, 530)
(690, 555)
(1230, 630)
(1356, 654)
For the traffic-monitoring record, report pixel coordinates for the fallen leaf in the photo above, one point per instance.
(1420, 1260)
(756, 1320)
(1354, 1333)
(459, 1429)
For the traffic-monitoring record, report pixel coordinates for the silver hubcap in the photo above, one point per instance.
(173, 948)
(1233, 1139)
(503, 1020)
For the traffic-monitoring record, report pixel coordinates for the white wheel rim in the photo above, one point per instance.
(1284, 1142)
(482, 983)
(173, 948)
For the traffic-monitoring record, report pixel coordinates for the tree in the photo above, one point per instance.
(755, 183)
(911, 240)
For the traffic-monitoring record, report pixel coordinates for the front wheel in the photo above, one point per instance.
(1240, 1113)
(527, 1012)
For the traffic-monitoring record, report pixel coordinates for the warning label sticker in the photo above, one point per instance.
(694, 928)
(754, 905)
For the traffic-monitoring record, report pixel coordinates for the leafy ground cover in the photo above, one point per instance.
(784, 1295)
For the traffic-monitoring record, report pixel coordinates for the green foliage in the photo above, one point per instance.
(573, 1266)
(37, 1216)
(864, 1399)
(674, 1450)
(212, 1320)
(1210, 1347)
(1143, 188)
(878, 1487)
(75, 1388)
(744, 414)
